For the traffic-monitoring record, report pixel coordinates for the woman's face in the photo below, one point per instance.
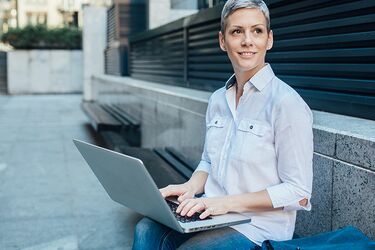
(246, 40)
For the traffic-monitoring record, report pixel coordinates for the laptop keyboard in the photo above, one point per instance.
(184, 219)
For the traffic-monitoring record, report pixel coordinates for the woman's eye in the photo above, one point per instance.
(258, 31)
(236, 31)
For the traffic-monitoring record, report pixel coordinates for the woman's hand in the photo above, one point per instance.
(188, 189)
(183, 191)
(208, 206)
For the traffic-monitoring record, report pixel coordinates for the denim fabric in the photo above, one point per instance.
(150, 235)
(346, 238)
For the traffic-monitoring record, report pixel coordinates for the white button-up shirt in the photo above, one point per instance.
(264, 143)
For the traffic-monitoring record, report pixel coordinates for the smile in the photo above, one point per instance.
(247, 54)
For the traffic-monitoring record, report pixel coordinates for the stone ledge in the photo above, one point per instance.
(353, 198)
(344, 138)
(44, 71)
(175, 95)
(171, 115)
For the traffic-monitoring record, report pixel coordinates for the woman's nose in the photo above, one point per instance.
(247, 39)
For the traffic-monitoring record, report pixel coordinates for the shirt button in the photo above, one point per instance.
(251, 126)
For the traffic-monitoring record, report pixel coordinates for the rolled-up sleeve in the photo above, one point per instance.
(294, 151)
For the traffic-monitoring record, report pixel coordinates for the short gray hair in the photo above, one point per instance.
(232, 5)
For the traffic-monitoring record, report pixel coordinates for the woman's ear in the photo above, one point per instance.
(222, 42)
(270, 40)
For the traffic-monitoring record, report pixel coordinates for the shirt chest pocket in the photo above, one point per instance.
(254, 139)
(253, 127)
(216, 132)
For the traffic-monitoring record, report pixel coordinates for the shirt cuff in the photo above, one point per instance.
(282, 197)
(203, 166)
(296, 206)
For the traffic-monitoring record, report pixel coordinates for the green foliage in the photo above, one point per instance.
(40, 37)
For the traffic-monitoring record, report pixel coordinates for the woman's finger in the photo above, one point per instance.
(171, 190)
(197, 208)
(209, 211)
(167, 191)
(186, 195)
(189, 205)
(181, 206)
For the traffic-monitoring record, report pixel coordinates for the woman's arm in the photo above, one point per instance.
(198, 180)
(248, 202)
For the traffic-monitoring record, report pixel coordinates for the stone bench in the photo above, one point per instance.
(100, 119)
(130, 127)
(177, 161)
(112, 119)
(344, 148)
(165, 165)
(121, 132)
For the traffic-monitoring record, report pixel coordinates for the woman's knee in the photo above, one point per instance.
(145, 226)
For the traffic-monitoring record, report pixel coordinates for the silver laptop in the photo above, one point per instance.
(127, 182)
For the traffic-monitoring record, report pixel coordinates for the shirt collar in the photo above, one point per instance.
(231, 82)
(262, 77)
(259, 80)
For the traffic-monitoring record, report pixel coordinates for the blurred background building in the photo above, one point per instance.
(161, 12)
(53, 13)
(58, 13)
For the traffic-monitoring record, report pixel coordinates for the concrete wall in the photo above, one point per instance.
(44, 71)
(344, 148)
(94, 43)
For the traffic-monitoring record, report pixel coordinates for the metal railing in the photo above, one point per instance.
(123, 19)
(324, 49)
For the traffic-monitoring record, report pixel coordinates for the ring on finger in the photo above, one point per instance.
(204, 205)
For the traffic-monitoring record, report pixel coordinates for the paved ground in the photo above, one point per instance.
(49, 199)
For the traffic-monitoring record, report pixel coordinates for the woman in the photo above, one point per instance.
(258, 149)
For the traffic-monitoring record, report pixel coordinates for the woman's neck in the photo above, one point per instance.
(243, 77)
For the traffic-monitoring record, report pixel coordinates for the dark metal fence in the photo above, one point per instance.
(3, 72)
(324, 49)
(124, 17)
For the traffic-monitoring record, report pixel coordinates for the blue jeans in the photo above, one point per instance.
(150, 235)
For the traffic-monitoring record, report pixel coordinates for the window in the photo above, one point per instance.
(35, 18)
(36, 2)
(183, 4)
(204, 4)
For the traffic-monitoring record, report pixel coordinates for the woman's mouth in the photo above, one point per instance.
(246, 54)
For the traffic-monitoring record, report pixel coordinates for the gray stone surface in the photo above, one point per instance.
(347, 125)
(319, 219)
(93, 44)
(44, 71)
(193, 133)
(353, 198)
(335, 136)
(191, 99)
(49, 197)
(167, 118)
(168, 125)
(149, 128)
(356, 151)
(324, 141)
